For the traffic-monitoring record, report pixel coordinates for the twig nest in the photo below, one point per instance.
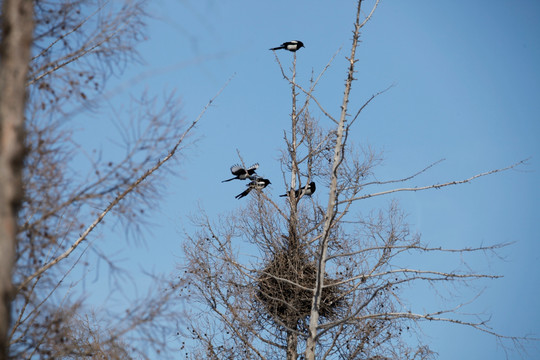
(285, 289)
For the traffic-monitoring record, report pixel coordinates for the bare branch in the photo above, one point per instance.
(370, 14)
(366, 104)
(436, 186)
(405, 178)
(121, 196)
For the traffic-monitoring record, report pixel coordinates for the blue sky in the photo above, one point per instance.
(466, 88)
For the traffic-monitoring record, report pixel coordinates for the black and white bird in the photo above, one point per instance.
(308, 190)
(258, 184)
(242, 173)
(293, 46)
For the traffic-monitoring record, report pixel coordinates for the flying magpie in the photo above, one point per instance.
(258, 184)
(293, 45)
(241, 173)
(307, 190)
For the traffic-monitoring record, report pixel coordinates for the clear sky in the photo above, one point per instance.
(466, 88)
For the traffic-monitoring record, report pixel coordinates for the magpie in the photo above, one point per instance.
(308, 190)
(258, 184)
(293, 46)
(241, 173)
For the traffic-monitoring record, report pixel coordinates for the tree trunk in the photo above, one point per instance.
(292, 344)
(16, 41)
(331, 209)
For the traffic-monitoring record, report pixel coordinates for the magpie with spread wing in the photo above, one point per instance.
(257, 184)
(308, 190)
(242, 173)
(293, 46)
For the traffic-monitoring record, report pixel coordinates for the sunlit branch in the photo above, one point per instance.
(370, 14)
(405, 178)
(308, 93)
(314, 83)
(366, 104)
(437, 275)
(434, 317)
(121, 196)
(436, 186)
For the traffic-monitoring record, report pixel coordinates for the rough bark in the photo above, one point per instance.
(17, 30)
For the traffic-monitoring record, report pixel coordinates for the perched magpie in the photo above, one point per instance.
(258, 184)
(307, 190)
(242, 174)
(293, 46)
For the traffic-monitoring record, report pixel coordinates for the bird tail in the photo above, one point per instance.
(278, 48)
(229, 179)
(283, 195)
(242, 194)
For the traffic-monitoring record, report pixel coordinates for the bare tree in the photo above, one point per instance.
(77, 47)
(317, 281)
(16, 39)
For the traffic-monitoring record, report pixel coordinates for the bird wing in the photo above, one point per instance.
(252, 168)
(237, 170)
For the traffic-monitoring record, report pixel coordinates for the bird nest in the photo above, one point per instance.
(284, 289)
